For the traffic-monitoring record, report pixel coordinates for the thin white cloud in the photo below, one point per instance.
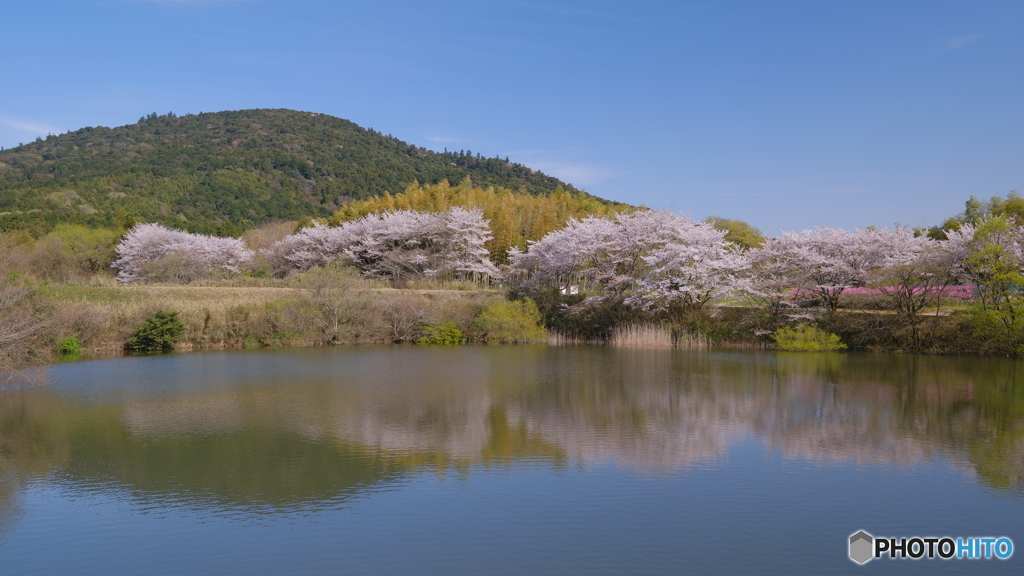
(579, 175)
(960, 42)
(34, 128)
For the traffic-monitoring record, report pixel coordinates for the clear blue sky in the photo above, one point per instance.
(784, 114)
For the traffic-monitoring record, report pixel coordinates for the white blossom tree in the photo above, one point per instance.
(315, 246)
(152, 249)
(395, 244)
(912, 271)
(773, 275)
(571, 255)
(464, 235)
(827, 261)
(607, 251)
(655, 260)
(638, 236)
(695, 267)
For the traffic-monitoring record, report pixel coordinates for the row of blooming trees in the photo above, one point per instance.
(651, 260)
(659, 261)
(394, 245)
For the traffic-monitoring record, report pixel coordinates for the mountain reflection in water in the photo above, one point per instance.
(294, 430)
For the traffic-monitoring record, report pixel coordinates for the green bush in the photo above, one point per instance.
(70, 347)
(159, 332)
(515, 322)
(806, 339)
(446, 334)
(997, 331)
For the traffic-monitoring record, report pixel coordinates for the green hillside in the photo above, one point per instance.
(223, 172)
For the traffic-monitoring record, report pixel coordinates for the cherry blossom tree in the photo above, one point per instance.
(638, 236)
(827, 261)
(773, 275)
(695, 267)
(151, 248)
(912, 272)
(564, 257)
(463, 236)
(655, 260)
(608, 252)
(395, 244)
(315, 246)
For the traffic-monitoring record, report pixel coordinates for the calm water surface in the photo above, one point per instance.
(513, 460)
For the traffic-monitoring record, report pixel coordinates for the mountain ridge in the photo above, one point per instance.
(223, 172)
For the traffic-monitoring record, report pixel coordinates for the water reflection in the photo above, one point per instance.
(301, 429)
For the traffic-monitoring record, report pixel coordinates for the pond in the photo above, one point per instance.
(506, 460)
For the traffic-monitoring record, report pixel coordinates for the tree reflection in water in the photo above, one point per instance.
(306, 429)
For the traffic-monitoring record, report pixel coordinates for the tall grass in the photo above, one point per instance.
(657, 336)
(686, 340)
(556, 338)
(641, 336)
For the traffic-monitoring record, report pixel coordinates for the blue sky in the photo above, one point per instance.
(784, 114)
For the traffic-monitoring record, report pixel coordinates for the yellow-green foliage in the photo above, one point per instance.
(515, 322)
(738, 232)
(73, 250)
(806, 339)
(444, 334)
(515, 217)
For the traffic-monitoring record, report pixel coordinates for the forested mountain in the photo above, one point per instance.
(223, 172)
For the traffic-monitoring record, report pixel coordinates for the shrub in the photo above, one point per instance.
(806, 339)
(997, 331)
(445, 334)
(25, 323)
(73, 251)
(337, 303)
(70, 347)
(515, 322)
(402, 314)
(159, 332)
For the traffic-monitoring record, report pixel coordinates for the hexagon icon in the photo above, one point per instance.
(861, 545)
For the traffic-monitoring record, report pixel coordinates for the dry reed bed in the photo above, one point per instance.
(640, 336)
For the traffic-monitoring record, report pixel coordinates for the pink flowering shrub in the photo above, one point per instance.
(964, 292)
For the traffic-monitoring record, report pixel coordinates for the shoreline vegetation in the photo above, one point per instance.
(444, 265)
(336, 305)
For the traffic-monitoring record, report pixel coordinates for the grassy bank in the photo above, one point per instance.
(321, 307)
(44, 322)
(955, 327)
